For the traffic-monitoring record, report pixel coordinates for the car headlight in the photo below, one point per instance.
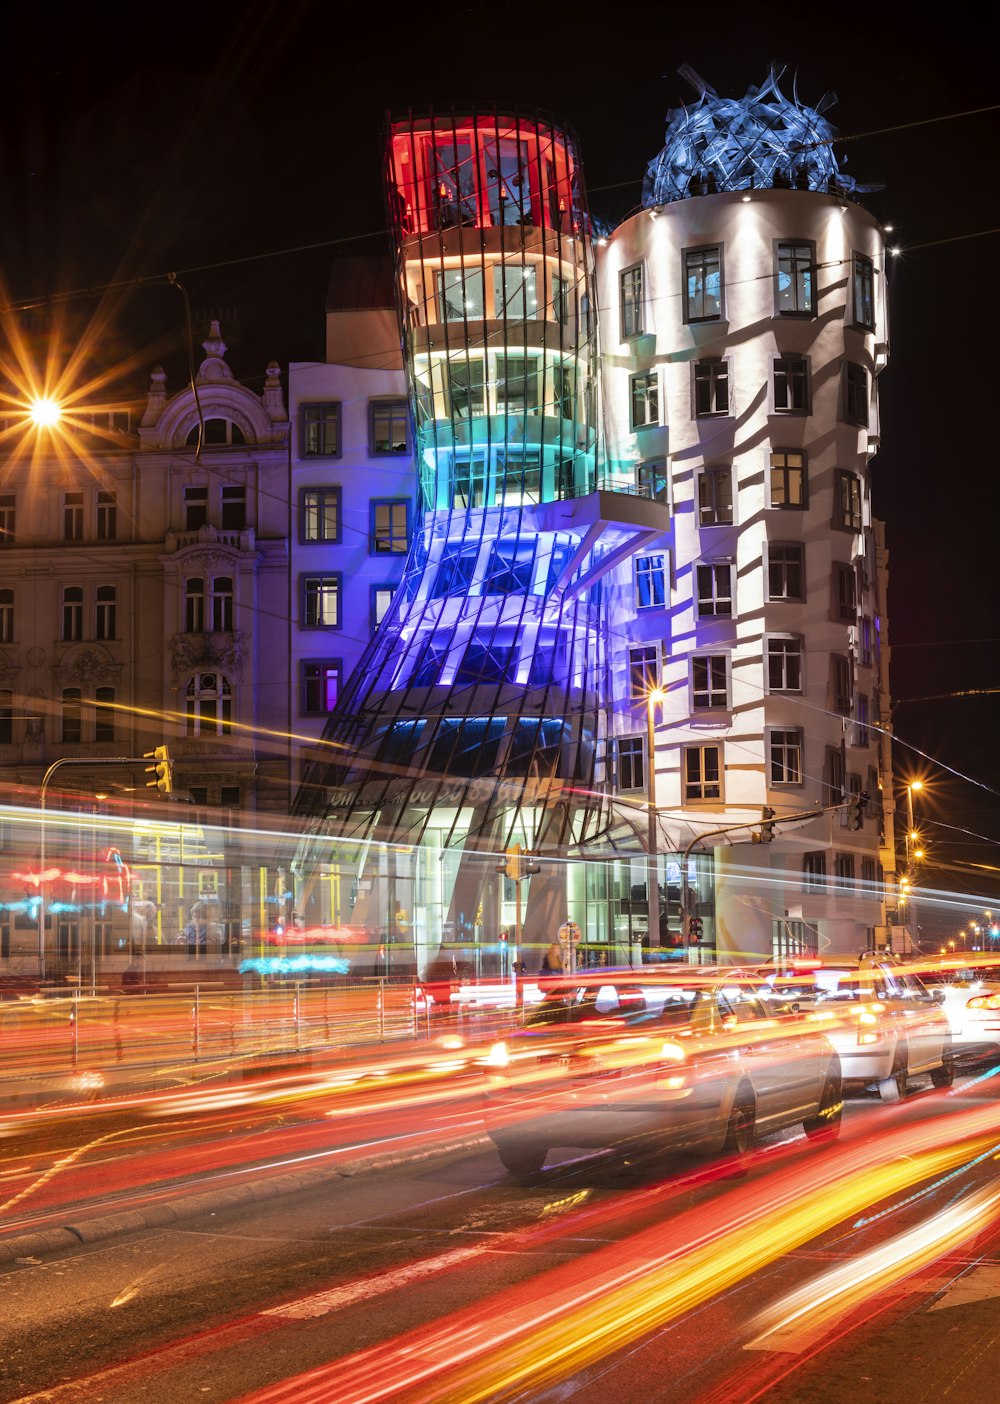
(498, 1056)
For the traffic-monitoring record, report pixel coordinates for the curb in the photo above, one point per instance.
(67, 1236)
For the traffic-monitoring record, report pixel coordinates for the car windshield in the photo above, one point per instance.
(572, 1004)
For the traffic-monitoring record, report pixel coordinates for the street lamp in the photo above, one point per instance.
(45, 412)
(655, 696)
(913, 852)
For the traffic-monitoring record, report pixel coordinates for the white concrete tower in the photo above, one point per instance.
(744, 328)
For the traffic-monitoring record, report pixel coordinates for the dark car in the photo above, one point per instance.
(697, 1062)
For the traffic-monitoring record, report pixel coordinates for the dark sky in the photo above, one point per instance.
(193, 136)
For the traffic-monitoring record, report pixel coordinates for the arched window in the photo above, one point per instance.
(209, 705)
(194, 605)
(106, 612)
(219, 433)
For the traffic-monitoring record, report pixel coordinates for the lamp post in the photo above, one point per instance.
(912, 853)
(654, 696)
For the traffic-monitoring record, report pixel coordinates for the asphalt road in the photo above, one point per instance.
(597, 1279)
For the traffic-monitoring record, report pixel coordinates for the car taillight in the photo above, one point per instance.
(984, 1002)
(673, 1053)
(672, 1075)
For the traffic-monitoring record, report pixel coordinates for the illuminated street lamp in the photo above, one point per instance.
(654, 697)
(45, 412)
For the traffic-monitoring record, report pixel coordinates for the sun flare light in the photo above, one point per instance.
(45, 412)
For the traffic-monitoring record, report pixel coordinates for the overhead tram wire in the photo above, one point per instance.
(153, 279)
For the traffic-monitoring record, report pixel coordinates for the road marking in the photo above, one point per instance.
(322, 1303)
(976, 1286)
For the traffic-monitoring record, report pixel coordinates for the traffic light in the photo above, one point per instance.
(162, 768)
(530, 865)
(767, 825)
(695, 928)
(856, 810)
(510, 866)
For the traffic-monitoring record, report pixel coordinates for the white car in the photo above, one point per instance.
(972, 1005)
(885, 1023)
(693, 1063)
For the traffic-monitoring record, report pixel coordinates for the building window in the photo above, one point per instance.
(321, 430)
(711, 387)
(381, 600)
(319, 510)
(856, 394)
(8, 518)
(786, 575)
(794, 279)
(654, 482)
(870, 876)
(847, 500)
(466, 384)
(865, 633)
(632, 321)
(788, 482)
(460, 295)
(222, 603)
(72, 613)
(6, 716)
(814, 872)
(702, 773)
(234, 508)
(784, 757)
(644, 399)
(219, 433)
(560, 299)
(72, 715)
(106, 613)
(862, 734)
(843, 869)
(715, 590)
(390, 527)
(388, 426)
(631, 763)
(784, 664)
(835, 775)
(107, 516)
(841, 684)
(845, 593)
(715, 497)
(710, 682)
(6, 616)
(320, 686)
(209, 705)
(321, 601)
(643, 671)
(195, 508)
(104, 714)
(72, 516)
(863, 282)
(563, 392)
(703, 284)
(194, 605)
(229, 796)
(791, 384)
(514, 292)
(651, 581)
(517, 384)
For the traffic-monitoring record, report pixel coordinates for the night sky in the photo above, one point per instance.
(195, 136)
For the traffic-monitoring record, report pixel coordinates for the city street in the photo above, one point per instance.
(448, 1279)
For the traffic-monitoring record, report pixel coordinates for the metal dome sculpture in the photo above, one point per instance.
(760, 141)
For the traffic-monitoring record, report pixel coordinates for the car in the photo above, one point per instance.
(970, 998)
(885, 1024)
(689, 1063)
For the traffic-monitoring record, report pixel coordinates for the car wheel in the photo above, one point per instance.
(521, 1159)
(893, 1087)
(944, 1075)
(825, 1125)
(738, 1145)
